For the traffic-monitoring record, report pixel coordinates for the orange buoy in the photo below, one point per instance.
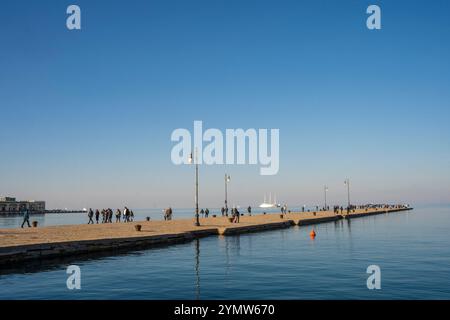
(312, 234)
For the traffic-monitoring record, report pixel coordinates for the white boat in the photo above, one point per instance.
(269, 204)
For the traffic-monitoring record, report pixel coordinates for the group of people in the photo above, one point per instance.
(235, 214)
(126, 215)
(336, 209)
(284, 209)
(204, 213)
(224, 211)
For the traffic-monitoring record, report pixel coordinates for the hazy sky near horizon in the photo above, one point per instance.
(86, 116)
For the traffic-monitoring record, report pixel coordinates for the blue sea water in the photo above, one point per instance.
(411, 248)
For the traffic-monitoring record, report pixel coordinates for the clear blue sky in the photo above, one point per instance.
(86, 116)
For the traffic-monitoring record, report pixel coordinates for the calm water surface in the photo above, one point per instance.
(412, 249)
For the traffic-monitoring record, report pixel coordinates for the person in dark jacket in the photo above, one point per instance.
(236, 215)
(26, 218)
(91, 215)
(97, 215)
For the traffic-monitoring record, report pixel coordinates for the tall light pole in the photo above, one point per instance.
(347, 183)
(227, 179)
(191, 160)
(325, 190)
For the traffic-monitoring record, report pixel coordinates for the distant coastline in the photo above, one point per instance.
(62, 211)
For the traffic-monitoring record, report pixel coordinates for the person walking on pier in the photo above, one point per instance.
(111, 215)
(168, 214)
(118, 214)
(97, 215)
(126, 214)
(222, 211)
(249, 210)
(206, 213)
(131, 215)
(236, 215)
(26, 218)
(91, 215)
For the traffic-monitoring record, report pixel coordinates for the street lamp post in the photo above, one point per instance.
(325, 190)
(191, 160)
(347, 183)
(227, 179)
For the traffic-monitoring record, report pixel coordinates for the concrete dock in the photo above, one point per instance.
(22, 245)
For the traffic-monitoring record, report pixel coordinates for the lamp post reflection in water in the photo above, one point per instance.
(197, 268)
(349, 226)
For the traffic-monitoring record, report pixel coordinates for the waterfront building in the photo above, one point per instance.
(11, 205)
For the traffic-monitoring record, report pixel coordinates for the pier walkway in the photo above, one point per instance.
(19, 245)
